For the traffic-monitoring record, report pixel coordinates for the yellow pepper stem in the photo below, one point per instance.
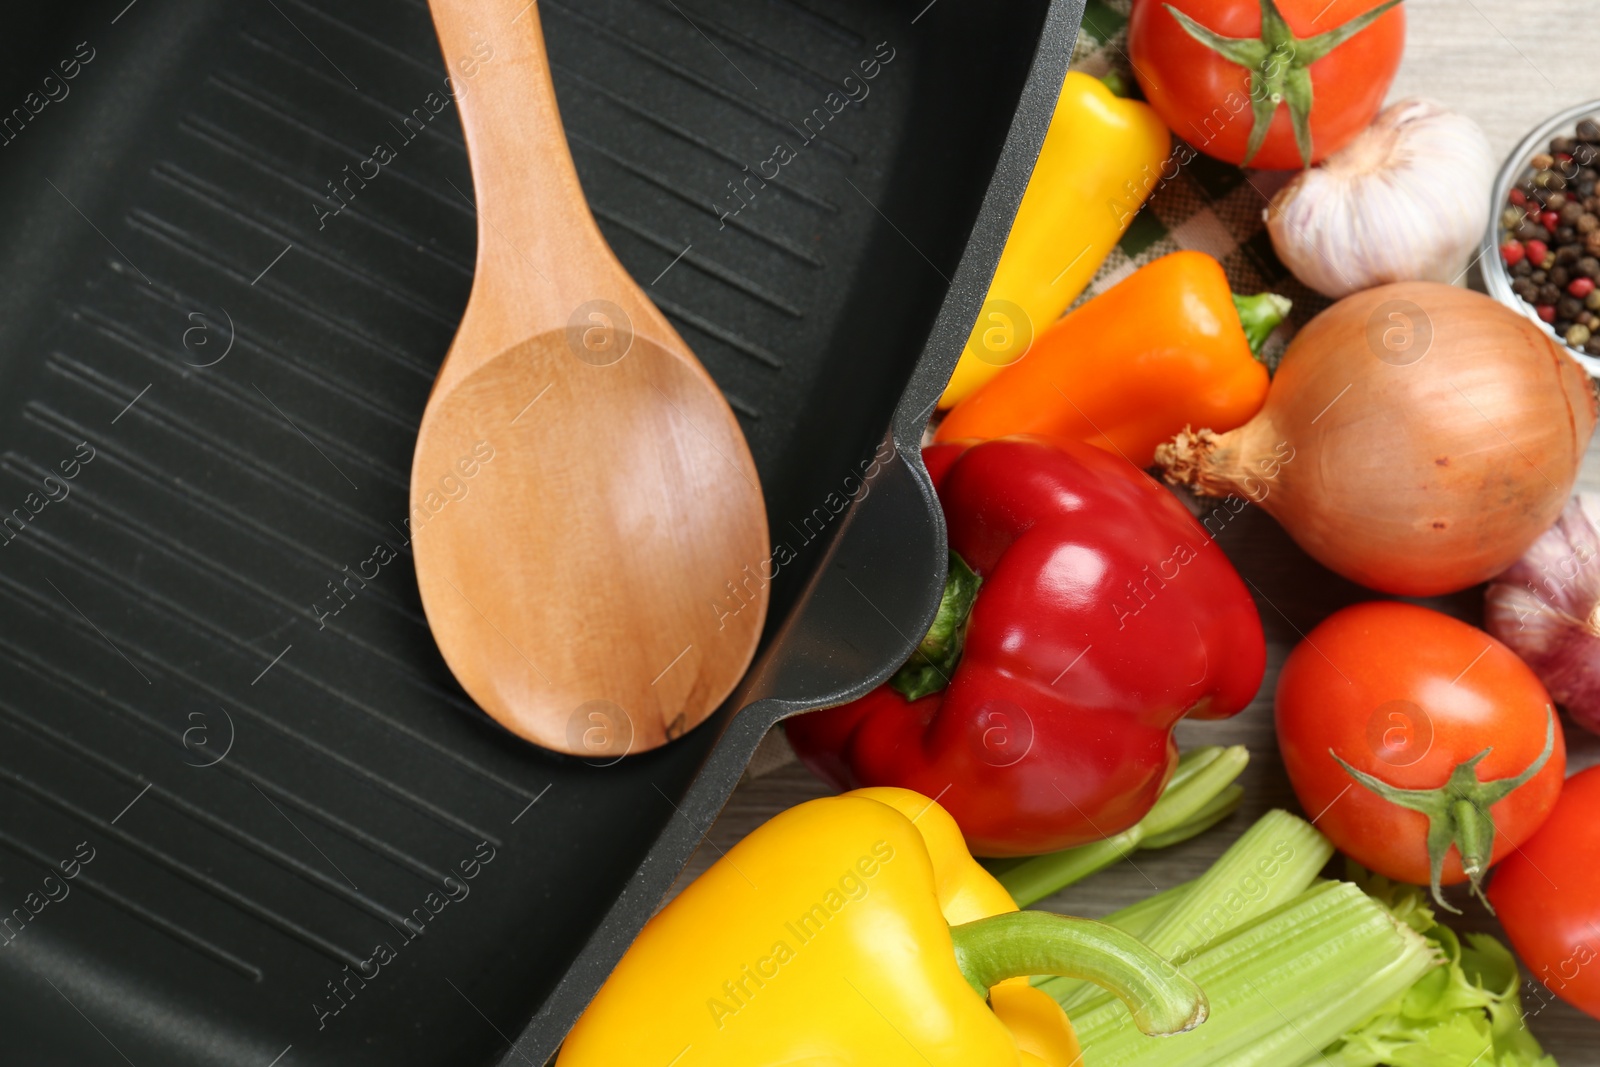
(1020, 943)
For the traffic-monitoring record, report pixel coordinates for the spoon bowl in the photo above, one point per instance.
(587, 521)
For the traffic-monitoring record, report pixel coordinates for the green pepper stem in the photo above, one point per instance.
(1200, 794)
(1021, 943)
(1260, 315)
(930, 666)
(1458, 812)
(1118, 85)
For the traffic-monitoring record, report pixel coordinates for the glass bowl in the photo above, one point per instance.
(1495, 276)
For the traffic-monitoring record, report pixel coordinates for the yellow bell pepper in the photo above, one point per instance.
(1102, 158)
(857, 930)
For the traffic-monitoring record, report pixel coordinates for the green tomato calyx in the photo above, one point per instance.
(1458, 812)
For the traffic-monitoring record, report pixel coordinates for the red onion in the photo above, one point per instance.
(1546, 607)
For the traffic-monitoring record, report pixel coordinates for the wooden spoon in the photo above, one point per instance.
(587, 523)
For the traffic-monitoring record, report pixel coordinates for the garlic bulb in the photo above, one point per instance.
(1407, 200)
(1546, 608)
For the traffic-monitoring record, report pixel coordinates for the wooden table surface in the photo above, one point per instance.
(1508, 66)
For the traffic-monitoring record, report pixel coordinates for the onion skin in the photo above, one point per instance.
(1546, 607)
(1413, 474)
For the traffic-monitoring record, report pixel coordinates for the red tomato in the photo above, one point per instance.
(1407, 695)
(1548, 897)
(1205, 98)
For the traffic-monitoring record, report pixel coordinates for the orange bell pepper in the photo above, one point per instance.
(1167, 347)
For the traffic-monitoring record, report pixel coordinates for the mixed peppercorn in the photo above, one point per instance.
(1552, 236)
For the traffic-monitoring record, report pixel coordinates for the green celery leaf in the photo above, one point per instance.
(1467, 1013)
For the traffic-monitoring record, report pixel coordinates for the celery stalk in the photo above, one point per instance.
(1136, 919)
(1199, 795)
(1273, 862)
(1218, 808)
(1088, 999)
(1281, 988)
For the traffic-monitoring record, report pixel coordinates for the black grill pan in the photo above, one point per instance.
(221, 712)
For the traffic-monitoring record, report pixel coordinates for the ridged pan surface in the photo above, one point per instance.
(246, 815)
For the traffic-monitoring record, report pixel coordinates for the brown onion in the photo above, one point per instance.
(1416, 439)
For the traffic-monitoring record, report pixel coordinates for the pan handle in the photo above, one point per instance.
(870, 599)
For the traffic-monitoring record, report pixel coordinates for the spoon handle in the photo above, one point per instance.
(540, 254)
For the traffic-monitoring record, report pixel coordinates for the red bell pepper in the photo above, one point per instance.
(1085, 614)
